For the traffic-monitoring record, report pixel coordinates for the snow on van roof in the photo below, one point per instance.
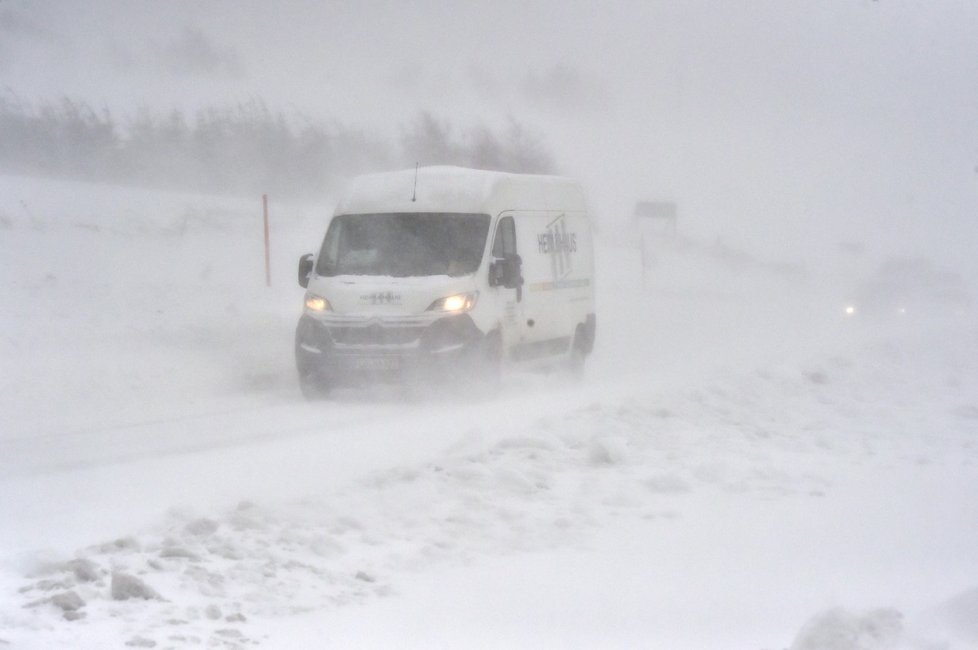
(459, 189)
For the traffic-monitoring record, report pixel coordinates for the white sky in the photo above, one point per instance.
(781, 126)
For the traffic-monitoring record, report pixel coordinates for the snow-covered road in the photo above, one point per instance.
(738, 460)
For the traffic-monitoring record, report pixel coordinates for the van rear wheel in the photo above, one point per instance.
(578, 353)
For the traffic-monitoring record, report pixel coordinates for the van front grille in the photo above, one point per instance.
(375, 334)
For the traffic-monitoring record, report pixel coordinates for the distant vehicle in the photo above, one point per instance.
(904, 287)
(446, 273)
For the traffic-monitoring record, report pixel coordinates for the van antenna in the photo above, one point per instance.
(414, 196)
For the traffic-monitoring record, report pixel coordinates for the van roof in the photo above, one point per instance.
(459, 189)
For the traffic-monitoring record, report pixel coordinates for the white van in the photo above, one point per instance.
(445, 272)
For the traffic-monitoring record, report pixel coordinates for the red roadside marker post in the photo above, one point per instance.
(268, 268)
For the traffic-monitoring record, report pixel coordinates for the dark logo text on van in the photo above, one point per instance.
(554, 241)
(381, 298)
(560, 245)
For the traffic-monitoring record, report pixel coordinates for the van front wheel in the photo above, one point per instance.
(313, 387)
(492, 362)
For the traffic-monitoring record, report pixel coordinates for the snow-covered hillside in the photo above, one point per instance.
(742, 467)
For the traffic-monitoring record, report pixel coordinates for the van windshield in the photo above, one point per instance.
(403, 244)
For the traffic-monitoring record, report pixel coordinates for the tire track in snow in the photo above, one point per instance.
(153, 439)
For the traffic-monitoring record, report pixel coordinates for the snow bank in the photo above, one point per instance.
(838, 629)
(121, 302)
(768, 434)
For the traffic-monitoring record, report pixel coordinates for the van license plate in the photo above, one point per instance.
(376, 363)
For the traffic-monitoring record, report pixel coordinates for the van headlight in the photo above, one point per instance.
(317, 304)
(456, 303)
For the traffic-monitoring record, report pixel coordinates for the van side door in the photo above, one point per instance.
(506, 276)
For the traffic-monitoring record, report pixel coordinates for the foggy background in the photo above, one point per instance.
(742, 464)
(802, 131)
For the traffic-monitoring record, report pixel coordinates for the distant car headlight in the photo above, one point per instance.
(317, 304)
(456, 303)
(850, 310)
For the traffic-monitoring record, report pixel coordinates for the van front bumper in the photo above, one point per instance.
(347, 351)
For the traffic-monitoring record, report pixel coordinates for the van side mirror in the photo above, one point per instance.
(305, 270)
(506, 272)
(497, 273)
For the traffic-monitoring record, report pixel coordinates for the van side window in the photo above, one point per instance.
(505, 243)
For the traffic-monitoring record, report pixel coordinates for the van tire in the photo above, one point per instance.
(483, 373)
(578, 352)
(312, 383)
(313, 388)
(493, 362)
